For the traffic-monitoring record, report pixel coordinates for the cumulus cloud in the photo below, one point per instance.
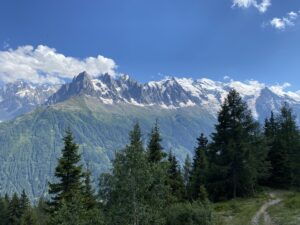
(284, 22)
(45, 65)
(262, 5)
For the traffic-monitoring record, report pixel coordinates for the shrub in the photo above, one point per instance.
(189, 214)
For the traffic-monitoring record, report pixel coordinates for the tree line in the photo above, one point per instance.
(149, 186)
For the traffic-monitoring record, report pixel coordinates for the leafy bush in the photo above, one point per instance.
(189, 214)
(293, 201)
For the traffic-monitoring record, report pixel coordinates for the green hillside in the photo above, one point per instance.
(31, 144)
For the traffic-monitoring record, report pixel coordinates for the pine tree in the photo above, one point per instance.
(29, 218)
(271, 128)
(155, 150)
(238, 153)
(286, 165)
(187, 169)
(134, 193)
(73, 212)
(68, 172)
(199, 167)
(3, 210)
(130, 182)
(88, 192)
(277, 159)
(42, 212)
(14, 211)
(24, 202)
(175, 179)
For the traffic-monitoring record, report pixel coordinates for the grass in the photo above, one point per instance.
(240, 211)
(288, 211)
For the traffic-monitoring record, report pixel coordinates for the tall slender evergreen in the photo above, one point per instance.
(238, 152)
(89, 197)
(199, 168)
(187, 169)
(129, 184)
(68, 173)
(24, 202)
(14, 211)
(175, 179)
(154, 148)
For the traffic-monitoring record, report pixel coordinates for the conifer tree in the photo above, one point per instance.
(187, 169)
(271, 128)
(155, 150)
(29, 218)
(42, 212)
(286, 165)
(237, 153)
(3, 210)
(199, 167)
(131, 180)
(74, 212)
(68, 173)
(24, 202)
(88, 192)
(175, 179)
(14, 211)
(277, 158)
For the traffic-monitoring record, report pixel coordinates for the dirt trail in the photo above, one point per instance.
(262, 212)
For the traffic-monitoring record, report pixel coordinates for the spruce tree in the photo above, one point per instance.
(73, 212)
(199, 167)
(130, 182)
(14, 211)
(68, 172)
(135, 191)
(3, 210)
(155, 150)
(41, 212)
(237, 153)
(271, 128)
(24, 202)
(175, 179)
(187, 169)
(288, 150)
(88, 192)
(29, 218)
(277, 158)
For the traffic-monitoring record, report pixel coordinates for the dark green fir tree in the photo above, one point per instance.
(154, 148)
(199, 168)
(14, 211)
(238, 152)
(68, 173)
(175, 179)
(89, 197)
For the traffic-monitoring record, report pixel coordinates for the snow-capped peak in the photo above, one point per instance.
(168, 93)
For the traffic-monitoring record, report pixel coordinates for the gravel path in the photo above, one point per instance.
(262, 212)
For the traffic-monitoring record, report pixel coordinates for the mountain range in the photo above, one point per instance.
(171, 93)
(101, 111)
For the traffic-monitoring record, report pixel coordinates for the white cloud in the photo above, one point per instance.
(284, 22)
(226, 77)
(45, 65)
(280, 89)
(262, 5)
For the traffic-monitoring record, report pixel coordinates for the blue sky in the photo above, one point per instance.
(151, 39)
